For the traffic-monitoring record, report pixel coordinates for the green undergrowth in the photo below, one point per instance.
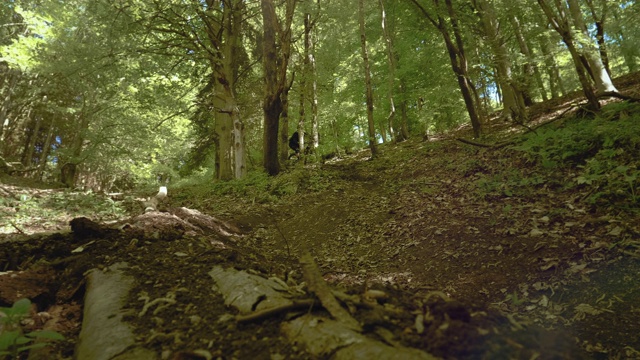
(598, 158)
(49, 206)
(14, 341)
(256, 187)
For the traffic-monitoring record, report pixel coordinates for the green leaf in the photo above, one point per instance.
(622, 169)
(21, 307)
(46, 334)
(8, 339)
(33, 346)
(21, 340)
(582, 180)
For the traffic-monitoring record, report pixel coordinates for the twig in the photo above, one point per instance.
(17, 228)
(561, 114)
(533, 130)
(488, 146)
(463, 140)
(260, 315)
(19, 171)
(283, 237)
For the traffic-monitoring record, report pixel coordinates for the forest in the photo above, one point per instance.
(319, 179)
(110, 95)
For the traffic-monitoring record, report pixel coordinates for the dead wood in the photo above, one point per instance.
(469, 142)
(618, 96)
(260, 315)
(488, 146)
(318, 286)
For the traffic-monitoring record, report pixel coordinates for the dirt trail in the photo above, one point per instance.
(420, 226)
(340, 226)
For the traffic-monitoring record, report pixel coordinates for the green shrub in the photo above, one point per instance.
(602, 153)
(13, 341)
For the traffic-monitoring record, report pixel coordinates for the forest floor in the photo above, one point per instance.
(465, 252)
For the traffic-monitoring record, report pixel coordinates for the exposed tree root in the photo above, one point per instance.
(260, 315)
(618, 96)
(316, 283)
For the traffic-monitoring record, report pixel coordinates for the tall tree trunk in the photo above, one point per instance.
(284, 123)
(560, 23)
(514, 108)
(599, 22)
(46, 149)
(6, 101)
(27, 158)
(272, 103)
(224, 36)
(275, 77)
(456, 56)
(555, 82)
(367, 81)
(404, 129)
(231, 65)
(305, 94)
(315, 137)
(391, 75)
(69, 168)
(223, 130)
(403, 134)
(302, 116)
(31, 128)
(598, 70)
(629, 50)
(530, 69)
(228, 129)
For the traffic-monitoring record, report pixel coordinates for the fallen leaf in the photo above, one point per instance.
(535, 232)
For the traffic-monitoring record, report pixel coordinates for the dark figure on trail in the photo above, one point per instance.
(294, 144)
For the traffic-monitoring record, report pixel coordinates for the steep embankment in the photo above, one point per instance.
(515, 228)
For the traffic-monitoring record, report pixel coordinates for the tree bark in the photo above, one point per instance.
(30, 143)
(69, 166)
(315, 138)
(560, 23)
(234, 46)
(367, 81)
(6, 101)
(283, 148)
(275, 76)
(555, 82)
(456, 56)
(598, 70)
(513, 101)
(302, 117)
(599, 22)
(46, 149)
(403, 134)
(629, 50)
(272, 105)
(530, 69)
(224, 35)
(304, 82)
(392, 65)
